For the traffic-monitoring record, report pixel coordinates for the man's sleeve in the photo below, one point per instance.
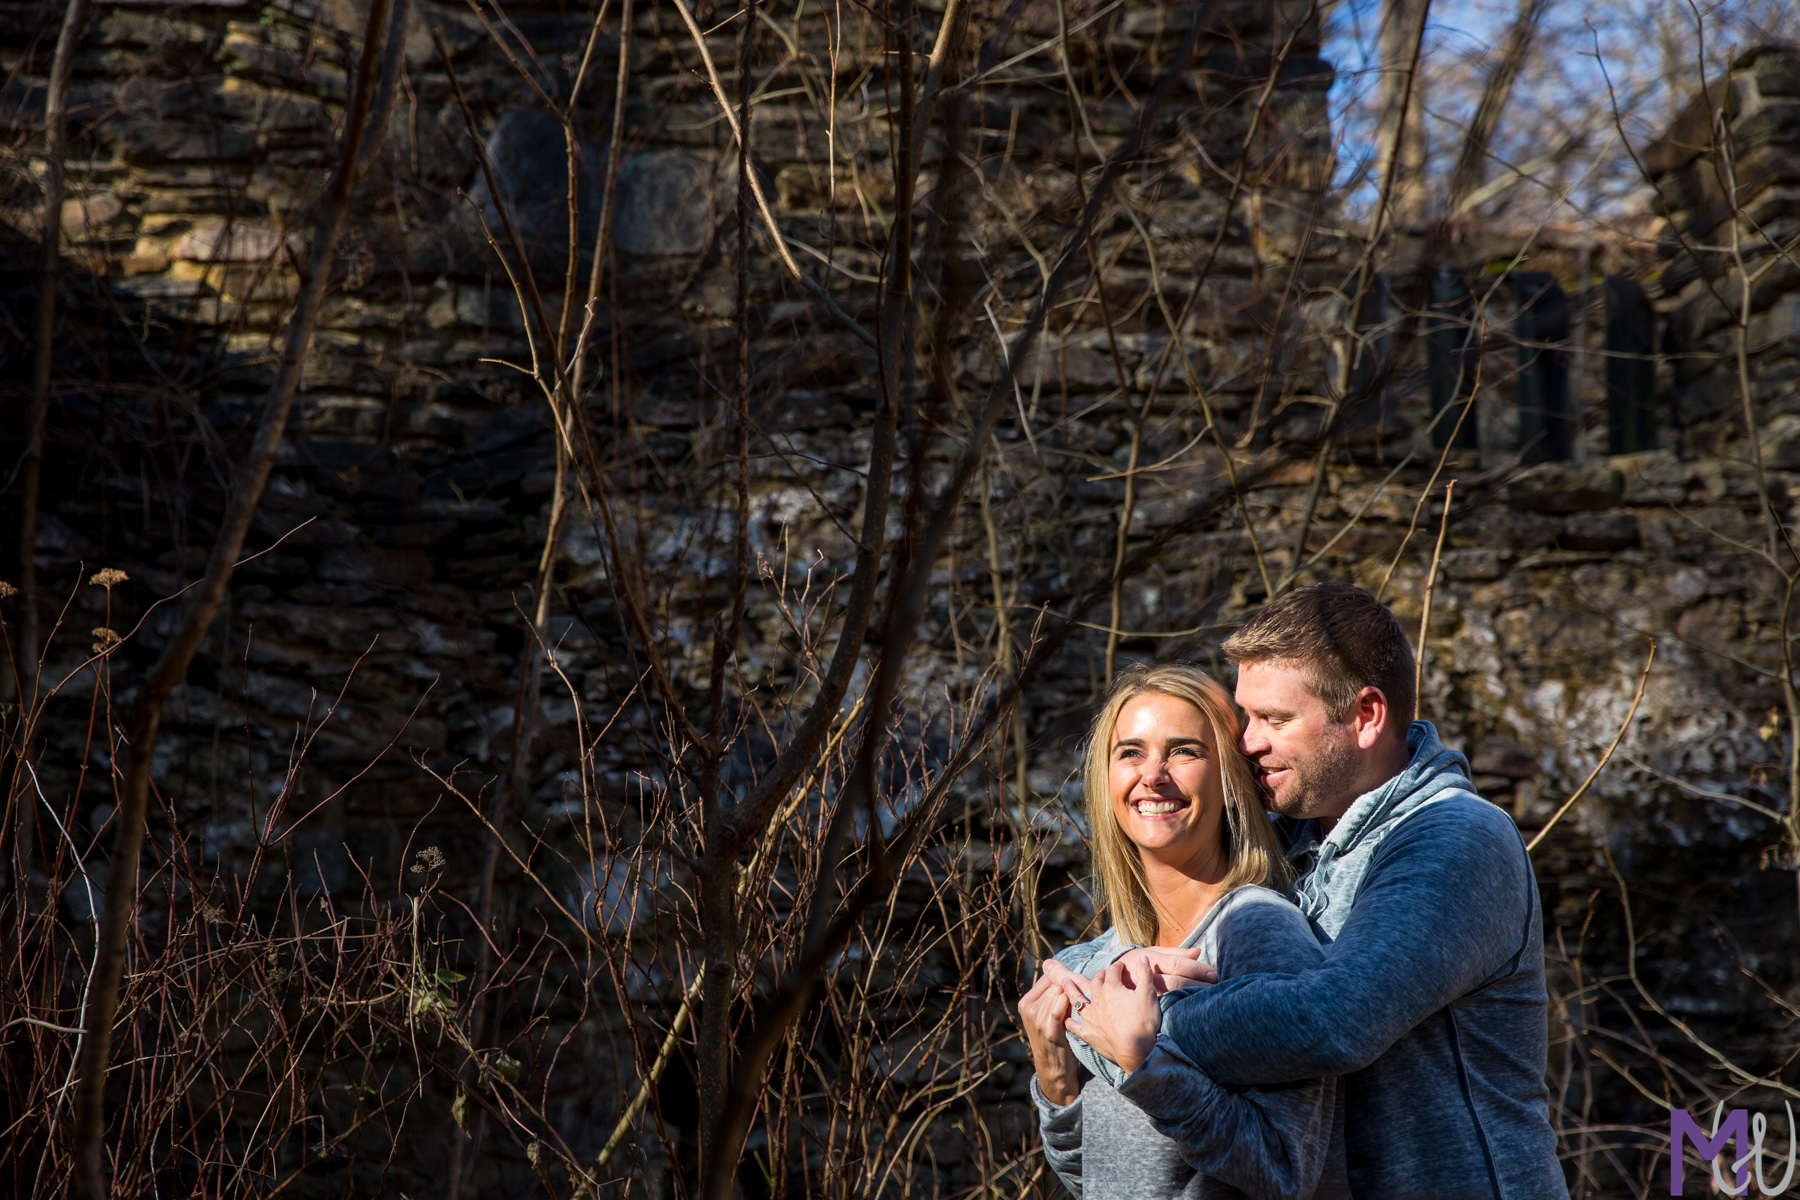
(1268, 1142)
(1446, 901)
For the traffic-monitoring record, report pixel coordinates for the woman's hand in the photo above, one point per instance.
(1122, 1018)
(1169, 971)
(1044, 1010)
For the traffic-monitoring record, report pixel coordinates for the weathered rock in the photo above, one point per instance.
(1600, 531)
(223, 241)
(1505, 757)
(1652, 477)
(1473, 564)
(1780, 440)
(670, 201)
(1565, 488)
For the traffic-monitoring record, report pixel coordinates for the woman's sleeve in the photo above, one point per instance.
(1060, 1127)
(1060, 1124)
(1266, 1142)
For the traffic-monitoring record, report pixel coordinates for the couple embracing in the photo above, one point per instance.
(1342, 998)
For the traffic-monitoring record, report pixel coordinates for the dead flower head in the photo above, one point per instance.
(428, 860)
(108, 578)
(107, 639)
(7, 590)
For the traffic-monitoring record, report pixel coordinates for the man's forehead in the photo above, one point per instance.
(1274, 682)
(1274, 669)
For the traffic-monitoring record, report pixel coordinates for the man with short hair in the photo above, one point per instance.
(1430, 1000)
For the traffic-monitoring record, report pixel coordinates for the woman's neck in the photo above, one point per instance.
(1183, 893)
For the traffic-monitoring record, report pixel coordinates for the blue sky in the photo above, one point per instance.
(1650, 49)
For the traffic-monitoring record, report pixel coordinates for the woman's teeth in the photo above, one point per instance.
(1157, 808)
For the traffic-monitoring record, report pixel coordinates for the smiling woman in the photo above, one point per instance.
(1176, 816)
(1185, 858)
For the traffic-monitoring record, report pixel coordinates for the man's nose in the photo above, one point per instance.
(1255, 739)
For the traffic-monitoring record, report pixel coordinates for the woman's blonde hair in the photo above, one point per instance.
(1250, 841)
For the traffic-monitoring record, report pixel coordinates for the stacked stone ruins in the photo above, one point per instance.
(1607, 490)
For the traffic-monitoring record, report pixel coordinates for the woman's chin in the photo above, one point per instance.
(1157, 836)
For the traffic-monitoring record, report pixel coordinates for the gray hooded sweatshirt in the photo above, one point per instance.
(1429, 999)
(1167, 1132)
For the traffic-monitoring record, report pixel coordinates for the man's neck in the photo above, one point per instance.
(1384, 762)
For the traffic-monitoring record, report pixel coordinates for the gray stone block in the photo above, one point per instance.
(669, 201)
(1600, 531)
(1565, 488)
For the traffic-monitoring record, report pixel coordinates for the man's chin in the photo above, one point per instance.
(1292, 806)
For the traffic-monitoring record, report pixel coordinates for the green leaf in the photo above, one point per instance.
(459, 1111)
(505, 1066)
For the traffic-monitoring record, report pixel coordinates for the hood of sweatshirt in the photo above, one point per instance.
(1435, 772)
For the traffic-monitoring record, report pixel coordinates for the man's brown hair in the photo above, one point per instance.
(1345, 640)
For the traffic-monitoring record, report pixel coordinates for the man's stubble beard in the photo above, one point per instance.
(1319, 780)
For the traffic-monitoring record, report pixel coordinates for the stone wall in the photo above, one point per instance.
(1726, 177)
(405, 516)
(413, 483)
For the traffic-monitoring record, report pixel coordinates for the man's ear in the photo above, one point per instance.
(1371, 716)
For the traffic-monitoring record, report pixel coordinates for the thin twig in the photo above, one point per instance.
(1430, 586)
(1624, 726)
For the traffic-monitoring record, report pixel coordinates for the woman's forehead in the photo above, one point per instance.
(1160, 715)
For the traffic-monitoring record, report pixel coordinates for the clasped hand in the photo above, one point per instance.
(1115, 1012)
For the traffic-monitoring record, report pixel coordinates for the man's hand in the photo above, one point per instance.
(1122, 1019)
(1177, 968)
(1043, 1010)
(1170, 970)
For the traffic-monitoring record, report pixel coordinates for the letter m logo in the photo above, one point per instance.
(1682, 1125)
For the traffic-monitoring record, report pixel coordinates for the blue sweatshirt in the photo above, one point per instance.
(1429, 1001)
